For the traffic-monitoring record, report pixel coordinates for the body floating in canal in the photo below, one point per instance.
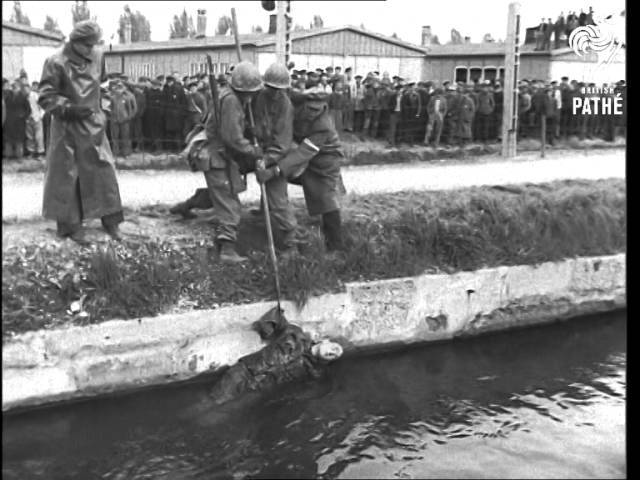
(291, 355)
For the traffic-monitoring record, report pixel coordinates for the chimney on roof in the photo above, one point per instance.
(426, 36)
(127, 31)
(467, 39)
(201, 27)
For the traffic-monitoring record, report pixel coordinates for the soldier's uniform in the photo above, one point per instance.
(451, 117)
(175, 103)
(230, 155)
(274, 131)
(466, 113)
(315, 164)
(137, 120)
(123, 109)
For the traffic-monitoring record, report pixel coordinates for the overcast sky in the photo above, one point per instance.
(471, 18)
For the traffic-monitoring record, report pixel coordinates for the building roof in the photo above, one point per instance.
(327, 30)
(33, 31)
(483, 49)
(254, 39)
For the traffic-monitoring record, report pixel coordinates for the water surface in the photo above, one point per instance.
(547, 402)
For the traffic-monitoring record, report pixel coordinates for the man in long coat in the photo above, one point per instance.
(80, 179)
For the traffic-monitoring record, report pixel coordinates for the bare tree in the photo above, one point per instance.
(18, 16)
(80, 11)
(182, 26)
(140, 26)
(224, 25)
(317, 21)
(298, 28)
(51, 25)
(435, 40)
(456, 38)
(394, 35)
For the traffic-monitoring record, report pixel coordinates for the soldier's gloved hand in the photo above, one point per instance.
(75, 112)
(263, 175)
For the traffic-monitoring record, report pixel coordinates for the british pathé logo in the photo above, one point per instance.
(605, 38)
(598, 101)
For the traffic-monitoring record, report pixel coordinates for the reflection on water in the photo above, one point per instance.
(538, 403)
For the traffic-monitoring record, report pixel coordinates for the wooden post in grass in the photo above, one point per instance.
(511, 66)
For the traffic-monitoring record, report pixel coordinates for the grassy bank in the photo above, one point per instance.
(357, 152)
(386, 236)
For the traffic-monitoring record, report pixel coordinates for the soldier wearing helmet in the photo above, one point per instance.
(315, 163)
(230, 155)
(274, 131)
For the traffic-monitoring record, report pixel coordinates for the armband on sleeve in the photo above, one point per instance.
(297, 160)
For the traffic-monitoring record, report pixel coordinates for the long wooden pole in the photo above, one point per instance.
(511, 67)
(234, 27)
(263, 187)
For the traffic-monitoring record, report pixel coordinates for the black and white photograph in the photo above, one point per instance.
(314, 239)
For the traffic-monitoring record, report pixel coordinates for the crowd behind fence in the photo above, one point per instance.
(155, 115)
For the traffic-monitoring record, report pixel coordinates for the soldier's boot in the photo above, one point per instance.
(332, 230)
(228, 253)
(184, 209)
(114, 232)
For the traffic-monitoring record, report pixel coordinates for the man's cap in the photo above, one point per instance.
(337, 67)
(143, 79)
(564, 78)
(302, 72)
(156, 83)
(348, 69)
(87, 31)
(160, 77)
(358, 76)
(329, 68)
(319, 70)
(170, 77)
(395, 77)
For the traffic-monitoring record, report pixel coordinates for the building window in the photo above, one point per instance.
(138, 70)
(224, 67)
(475, 74)
(196, 68)
(461, 74)
(490, 73)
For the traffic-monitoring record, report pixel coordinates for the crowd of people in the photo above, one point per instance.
(155, 115)
(561, 29)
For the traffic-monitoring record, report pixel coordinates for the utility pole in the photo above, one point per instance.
(511, 67)
(283, 36)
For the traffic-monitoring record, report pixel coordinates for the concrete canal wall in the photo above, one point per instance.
(52, 365)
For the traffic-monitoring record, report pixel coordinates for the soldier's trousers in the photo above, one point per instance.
(228, 209)
(347, 118)
(35, 136)
(434, 125)
(358, 120)
(136, 133)
(484, 126)
(394, 118)
(371, 119)
(120, 138)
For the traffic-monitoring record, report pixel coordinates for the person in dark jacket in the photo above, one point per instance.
(410, 107)
(153, 116)
(14, 132)
(437, 109)
(196, 108)
(137, 122)
(371, 104)
(486, 107)
(451, 118)
(498, 111)
(175, 104)
(123, 110)
(315, 163)
(466, 114)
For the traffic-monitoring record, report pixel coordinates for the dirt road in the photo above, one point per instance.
(22, 193)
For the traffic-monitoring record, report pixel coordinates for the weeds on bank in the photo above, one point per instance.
(385, 236)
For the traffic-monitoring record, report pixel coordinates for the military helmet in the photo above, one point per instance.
(246, 77)
(277, 76)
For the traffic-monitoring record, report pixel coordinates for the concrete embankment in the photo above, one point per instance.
(52, 365)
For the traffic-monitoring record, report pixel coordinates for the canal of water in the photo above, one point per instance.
(546, 402)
